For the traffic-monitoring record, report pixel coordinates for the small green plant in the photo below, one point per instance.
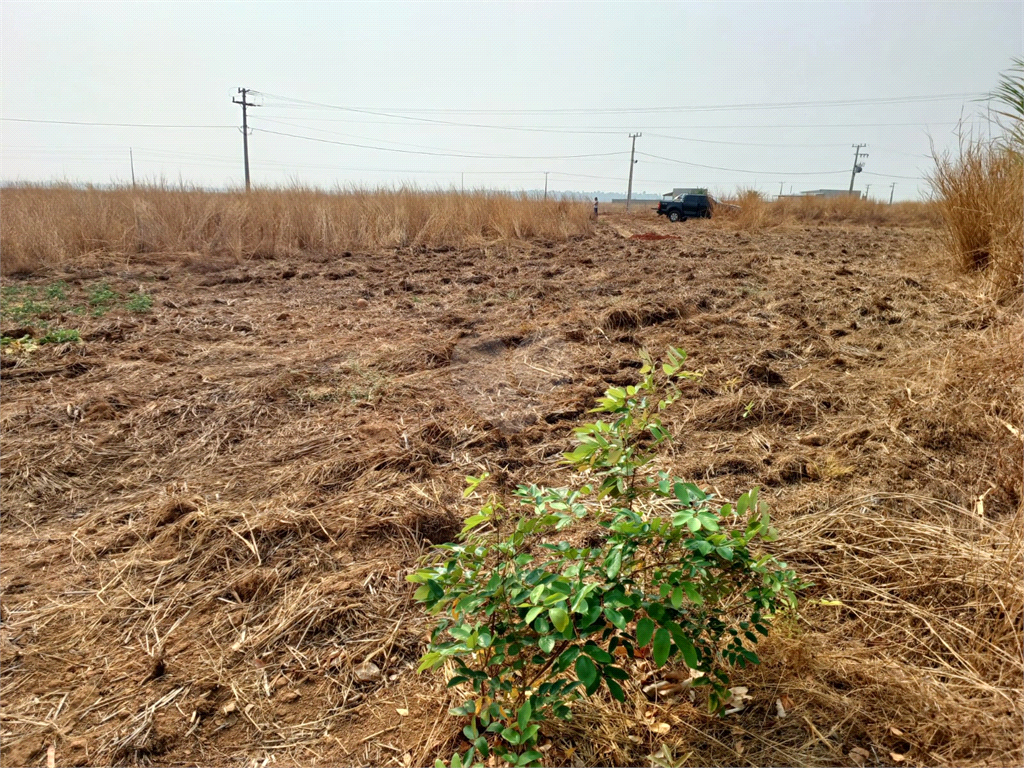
(102, 298)
(531, 622)
(138, 302)
(61, 336)
(58, 291)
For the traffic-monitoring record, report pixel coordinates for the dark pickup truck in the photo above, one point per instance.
(686, 207)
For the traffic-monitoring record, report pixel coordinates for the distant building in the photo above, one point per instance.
(686, 191)
(829, 193)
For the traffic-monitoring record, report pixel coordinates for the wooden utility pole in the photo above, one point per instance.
(245, 130)
(131, 159)
(892, 191)
(546, 184)
(856, 168)
(629, 190)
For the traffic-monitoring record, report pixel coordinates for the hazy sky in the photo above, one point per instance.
(585, 74)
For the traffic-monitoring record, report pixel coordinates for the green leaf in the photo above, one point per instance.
(644, 632)
(429, 661)
(613, 563)
(617, 693)
(560, 618)
(533, 613)
(511, 735)
(725, 552)
(547, 643)
(677, 598)
(692, 593)
(598, 654)
(525, 713)
(686, 648)
(662, 645)
(616, 618)
(474, 521)
(529, 757)
(456, 761)
(586, 671)
(567, 657)
(708, 520)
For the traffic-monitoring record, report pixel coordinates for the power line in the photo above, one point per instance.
(395, 113)
(643, 110)
(741, 170)
(894, 176)
(614, 129)
(353, 136)
(117, 125)
(439, 154)
(738, 143)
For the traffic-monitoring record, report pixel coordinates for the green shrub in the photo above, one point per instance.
(532, 622)
(138, 302)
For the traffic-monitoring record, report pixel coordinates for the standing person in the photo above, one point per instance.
(595, 207)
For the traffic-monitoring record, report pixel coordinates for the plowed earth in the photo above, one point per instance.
(209, 509)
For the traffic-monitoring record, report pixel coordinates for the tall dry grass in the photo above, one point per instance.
(980, 192)
(753, 211)
(48, 226)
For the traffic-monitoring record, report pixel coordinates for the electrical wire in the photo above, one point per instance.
(121, 125)
(875, 101)
(741, 170)
(352, 136)
(894, 176)
(441, 154)
(395, 115)
(618, 130)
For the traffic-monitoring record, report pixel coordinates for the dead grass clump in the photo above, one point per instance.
(969, 395)
(753, 405)
(257, 584)
(980, 194)
(750, 210)
(433, 526)
(630, 318)
(47, 226)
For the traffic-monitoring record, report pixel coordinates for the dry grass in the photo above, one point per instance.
(51, 226)
(981, 197)
(756, 212)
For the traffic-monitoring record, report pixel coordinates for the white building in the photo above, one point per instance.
(829, 193)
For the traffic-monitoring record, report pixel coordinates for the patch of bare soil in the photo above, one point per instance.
(209, 510)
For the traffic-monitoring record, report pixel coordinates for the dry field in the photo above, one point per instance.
(210, 504)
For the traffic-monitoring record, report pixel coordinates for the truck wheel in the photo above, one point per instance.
(674, 216)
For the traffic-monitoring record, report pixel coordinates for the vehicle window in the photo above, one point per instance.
(693, 200)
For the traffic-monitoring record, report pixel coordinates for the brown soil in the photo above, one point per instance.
(209, 510)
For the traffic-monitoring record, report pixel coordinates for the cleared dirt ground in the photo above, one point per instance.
(209, 509)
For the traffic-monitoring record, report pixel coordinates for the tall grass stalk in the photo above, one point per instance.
(46, 226)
